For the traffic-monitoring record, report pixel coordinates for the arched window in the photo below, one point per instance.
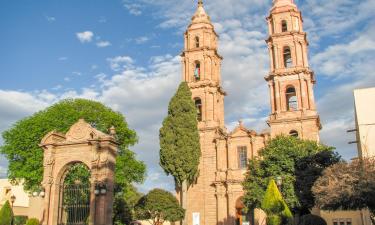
(284, 26)
(293, 133)
(291, 98)
(197, 44)
(198, 106)
(197, 71)
(287, 57)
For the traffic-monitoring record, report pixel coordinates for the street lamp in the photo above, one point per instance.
(279, 182)
(100, 189)
(12, 200)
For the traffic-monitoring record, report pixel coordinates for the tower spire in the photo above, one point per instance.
(280, 3)
(200, 15)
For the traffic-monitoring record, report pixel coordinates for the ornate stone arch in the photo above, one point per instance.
(81, 144)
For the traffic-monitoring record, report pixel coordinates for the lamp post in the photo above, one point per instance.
(12, 200)
(279, 182)
(100, 189)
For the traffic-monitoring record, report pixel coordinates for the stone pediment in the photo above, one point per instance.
(241, 131)
(82, 131)
(78, 132)
(52, 138)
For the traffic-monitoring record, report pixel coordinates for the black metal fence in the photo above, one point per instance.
(74, 206)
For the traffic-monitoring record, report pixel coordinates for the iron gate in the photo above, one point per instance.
(74, 206)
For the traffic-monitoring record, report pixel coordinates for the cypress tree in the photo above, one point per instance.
(274, 205)
(179, 140)
(6, 214)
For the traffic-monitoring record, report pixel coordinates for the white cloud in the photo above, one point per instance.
(103, 44)
(142, 40)
(85, 36)
(50, 19)
(120, 62)
(63, 58)
(133, 8)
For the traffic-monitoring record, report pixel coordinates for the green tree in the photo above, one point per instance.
(6, 214)
(26, 157)
(274, 205)
(179, 140)
(32, 221)
(283, 156)
(123, 207)
(348, 186)
(159, 206)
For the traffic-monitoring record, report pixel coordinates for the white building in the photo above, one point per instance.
(25, 204)
(364, 100)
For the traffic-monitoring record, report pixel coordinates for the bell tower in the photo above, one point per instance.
(201, 69)
(201, 65)
(290, 80)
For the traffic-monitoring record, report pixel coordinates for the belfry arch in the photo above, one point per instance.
(92, 149)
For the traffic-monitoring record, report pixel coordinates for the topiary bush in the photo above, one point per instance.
(274, 205)
(310, 219)
(32, 221)
(6, 214)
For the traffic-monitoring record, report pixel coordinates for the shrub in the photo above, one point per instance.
(20, 220)
(274, 205)
(310, 219)
(32, 221)
(6, 214)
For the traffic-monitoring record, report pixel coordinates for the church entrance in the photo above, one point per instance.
(242, 216)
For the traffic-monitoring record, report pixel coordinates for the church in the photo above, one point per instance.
(216, 197)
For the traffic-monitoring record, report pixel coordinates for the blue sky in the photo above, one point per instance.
(124, 53)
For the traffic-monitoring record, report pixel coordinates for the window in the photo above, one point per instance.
(197, 42)
(342, 221)
(197, 71)
(242, 157)
(284, 26)
(198, 106)
(291, 98)
(293, 133)
(287, 57)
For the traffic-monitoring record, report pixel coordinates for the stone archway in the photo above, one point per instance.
(94, 149)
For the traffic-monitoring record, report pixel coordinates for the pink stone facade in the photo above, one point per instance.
(215, 198)
(82, 144)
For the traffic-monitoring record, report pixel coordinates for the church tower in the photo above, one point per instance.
(201, 65)
(290, 80)
(201, 69)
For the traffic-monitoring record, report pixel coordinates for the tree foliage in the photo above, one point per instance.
(274, 205)
(6, 214)
(159, 206)
(123, 207)
(32, 221)
(348, 186)
(286, 157)
(26, 157)
(179, 138)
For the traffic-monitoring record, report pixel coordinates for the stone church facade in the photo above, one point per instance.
(215, 198)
